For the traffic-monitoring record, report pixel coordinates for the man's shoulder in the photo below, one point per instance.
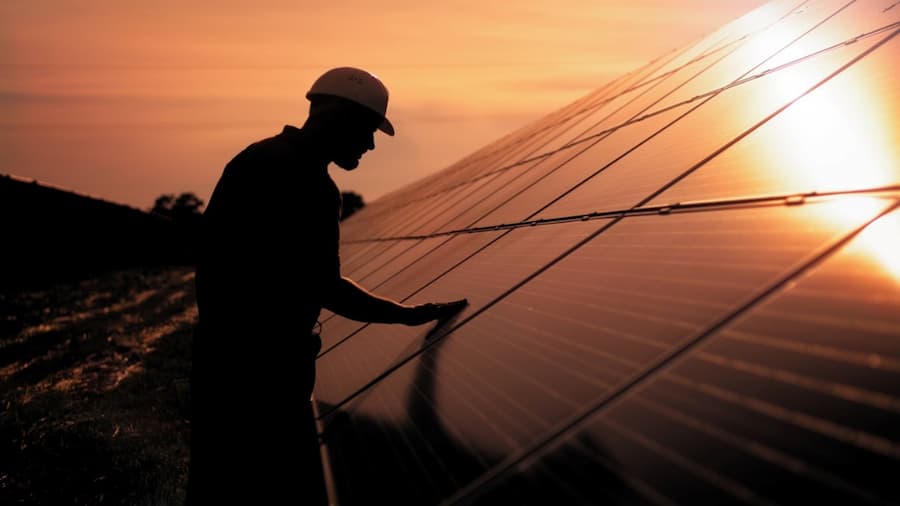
(269, 146)
(285, 147)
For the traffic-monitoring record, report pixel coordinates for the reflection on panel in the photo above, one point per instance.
(756, 54)
(693, 139)
(721, 43)
(519, 194)
(757, 20)
(556, 130)
(852, 20)
(562, 171)
(842, 136)
(567, 338)
(796, 401)
(605, 113)
(481, 279)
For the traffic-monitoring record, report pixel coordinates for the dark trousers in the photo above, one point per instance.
(253, 433)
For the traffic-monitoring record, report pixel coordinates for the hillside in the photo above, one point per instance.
(95, 401)
(58, 234)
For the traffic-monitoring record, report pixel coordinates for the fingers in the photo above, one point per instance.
(445, 310)
(424, 313)
(456, 305)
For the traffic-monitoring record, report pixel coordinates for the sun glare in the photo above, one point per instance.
(839, 137)
(881, 241)
(836, 140)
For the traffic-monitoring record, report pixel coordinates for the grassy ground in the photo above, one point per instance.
(94, 403)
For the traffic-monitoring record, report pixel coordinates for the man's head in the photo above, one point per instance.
(347, 106)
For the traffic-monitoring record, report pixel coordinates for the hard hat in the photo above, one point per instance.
(357, 86)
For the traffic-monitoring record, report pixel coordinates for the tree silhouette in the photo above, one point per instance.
(183, 208)
(185, 213)
(350, 203)
(163, 204)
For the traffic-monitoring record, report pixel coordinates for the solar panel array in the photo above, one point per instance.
(684, 289)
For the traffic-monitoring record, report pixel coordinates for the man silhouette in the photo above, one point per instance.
(269, 262)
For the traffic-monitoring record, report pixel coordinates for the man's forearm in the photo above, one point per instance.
(350, 300)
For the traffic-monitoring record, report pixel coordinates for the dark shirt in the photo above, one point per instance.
(270, 238)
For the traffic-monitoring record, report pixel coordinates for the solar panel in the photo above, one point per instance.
(683, 288)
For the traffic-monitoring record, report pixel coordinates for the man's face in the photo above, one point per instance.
(354, 135)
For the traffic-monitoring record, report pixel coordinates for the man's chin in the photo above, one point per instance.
(348, 164)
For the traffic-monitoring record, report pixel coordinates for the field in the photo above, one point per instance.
(94, 390)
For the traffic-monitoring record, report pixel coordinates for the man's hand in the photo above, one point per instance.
(424, 313)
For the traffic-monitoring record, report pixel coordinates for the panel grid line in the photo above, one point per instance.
(728, 203)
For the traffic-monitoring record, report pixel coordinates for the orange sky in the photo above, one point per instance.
(129, 100)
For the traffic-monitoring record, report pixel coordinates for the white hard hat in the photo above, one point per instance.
(357, 86)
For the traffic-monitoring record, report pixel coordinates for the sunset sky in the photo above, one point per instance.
(128, 100)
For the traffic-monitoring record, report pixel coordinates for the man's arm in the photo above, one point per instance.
(350, 300)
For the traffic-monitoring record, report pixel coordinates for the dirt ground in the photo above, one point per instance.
(94, 390)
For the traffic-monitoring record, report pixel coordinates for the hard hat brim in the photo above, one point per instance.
(387, 127)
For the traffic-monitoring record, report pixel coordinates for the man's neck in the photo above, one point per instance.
(311, 142)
